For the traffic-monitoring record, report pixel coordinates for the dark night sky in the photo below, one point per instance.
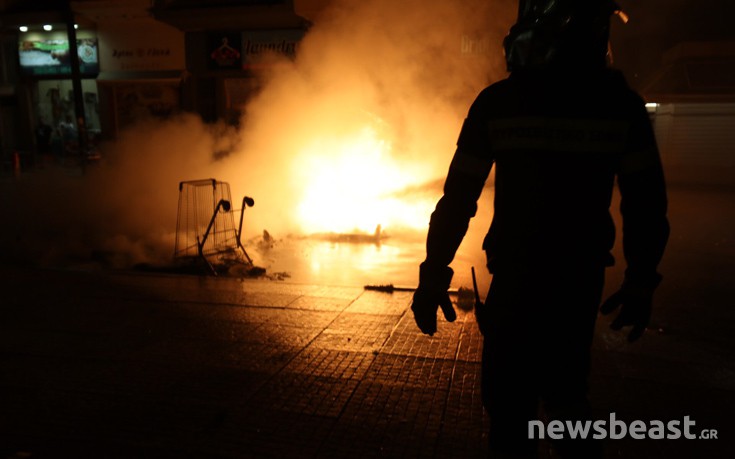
(657, 25)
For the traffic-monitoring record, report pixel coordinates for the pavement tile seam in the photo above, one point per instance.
(319, 396)
(358, 335)
(227, 313)
(303, 317)
(390, 412)
(299, 353)
(380, 303)
(345, 395)
(446, 374)
(310, 303)
(332, 385)
(325, 291)
(447, 411)
(254, 302)
(324, 362)
(445, 380)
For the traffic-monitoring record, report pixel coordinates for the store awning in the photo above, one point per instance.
(198, 18)
(133, 75)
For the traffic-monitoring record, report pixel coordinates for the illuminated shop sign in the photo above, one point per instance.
(225, 50)
(42, 55)
(256, 43)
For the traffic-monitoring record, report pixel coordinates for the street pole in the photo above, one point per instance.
(76, 81)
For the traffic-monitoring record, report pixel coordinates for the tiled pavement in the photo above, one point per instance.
(142, 365)
(98, 365)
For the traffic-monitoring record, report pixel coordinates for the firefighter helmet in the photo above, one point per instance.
(571, 32)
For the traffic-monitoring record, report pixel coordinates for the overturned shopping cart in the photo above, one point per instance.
(205, 228)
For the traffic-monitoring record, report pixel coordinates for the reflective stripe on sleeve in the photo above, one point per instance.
(559, 135)
(470, 165)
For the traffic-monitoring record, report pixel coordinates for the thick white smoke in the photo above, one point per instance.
(405, 70)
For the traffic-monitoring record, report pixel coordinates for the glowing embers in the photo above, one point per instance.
(352, 183)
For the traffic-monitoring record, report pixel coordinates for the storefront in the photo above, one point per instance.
(223, 66)
(225, 42)
(141, 72)
(44, 66)
(135, 62)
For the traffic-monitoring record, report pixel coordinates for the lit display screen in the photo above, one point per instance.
(47, 55)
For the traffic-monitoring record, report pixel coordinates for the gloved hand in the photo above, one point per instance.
(635, 309)
(430, 295)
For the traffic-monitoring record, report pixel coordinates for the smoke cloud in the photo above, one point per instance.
(407, 69)
(403, 72)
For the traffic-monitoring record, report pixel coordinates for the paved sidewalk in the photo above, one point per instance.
(119, 365)
(140, 365)
(128, 365)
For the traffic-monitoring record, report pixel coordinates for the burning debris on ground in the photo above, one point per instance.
(342, 136)
(356, 237)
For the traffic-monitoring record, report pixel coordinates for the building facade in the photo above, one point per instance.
(136, 59)
(692, 99)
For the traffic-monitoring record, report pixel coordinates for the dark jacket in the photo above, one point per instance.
(557, 141)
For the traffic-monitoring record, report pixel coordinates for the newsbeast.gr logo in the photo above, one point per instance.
(615, 429)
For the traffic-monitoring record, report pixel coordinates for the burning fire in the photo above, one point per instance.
(353, 183)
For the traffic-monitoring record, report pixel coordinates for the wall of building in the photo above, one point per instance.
(697, 142)
(142, 62)
(696, 133)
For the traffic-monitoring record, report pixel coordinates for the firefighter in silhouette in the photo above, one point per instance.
(559, 131)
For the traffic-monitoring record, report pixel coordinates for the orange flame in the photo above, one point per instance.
(352, 184)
